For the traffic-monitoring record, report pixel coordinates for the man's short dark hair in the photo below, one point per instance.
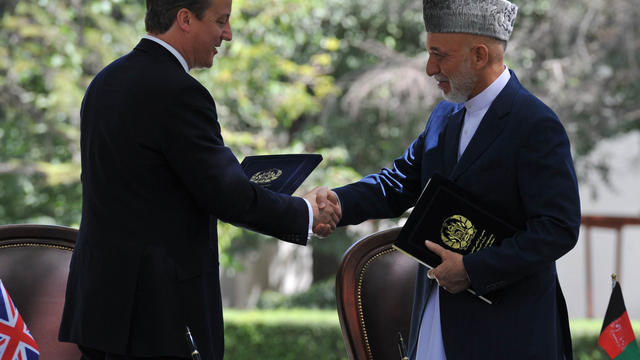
(162, 13)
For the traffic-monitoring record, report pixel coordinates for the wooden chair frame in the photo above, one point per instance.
(55, 236)
(354, 282)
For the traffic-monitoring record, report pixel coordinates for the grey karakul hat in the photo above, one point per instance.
(492, 18)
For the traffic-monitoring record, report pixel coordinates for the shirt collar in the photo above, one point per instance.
(486, 97)
(171, 49)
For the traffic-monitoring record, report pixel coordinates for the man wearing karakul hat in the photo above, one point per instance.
(510, 151)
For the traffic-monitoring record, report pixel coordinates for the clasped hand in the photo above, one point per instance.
(326, 210)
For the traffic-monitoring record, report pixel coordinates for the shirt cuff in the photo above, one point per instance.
(310, 230)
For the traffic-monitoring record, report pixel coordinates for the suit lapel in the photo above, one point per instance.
(452, 139)
(492, 124)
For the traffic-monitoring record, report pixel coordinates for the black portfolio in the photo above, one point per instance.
(280, 173)
(448, 216)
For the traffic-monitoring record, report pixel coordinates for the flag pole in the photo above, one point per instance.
(614, 280)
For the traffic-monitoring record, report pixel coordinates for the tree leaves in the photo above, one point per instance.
(344, 78)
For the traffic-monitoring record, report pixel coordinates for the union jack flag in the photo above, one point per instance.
(16, 343)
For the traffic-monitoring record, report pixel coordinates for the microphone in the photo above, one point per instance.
(401, 348)
(195, 354)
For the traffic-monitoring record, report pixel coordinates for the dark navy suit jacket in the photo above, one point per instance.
(156, 176)
(519, 164)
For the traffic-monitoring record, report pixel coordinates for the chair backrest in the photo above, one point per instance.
(34, 263)
(374, 290)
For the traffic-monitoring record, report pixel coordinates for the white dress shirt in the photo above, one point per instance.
(183, 62)
(477, 107)
(430, 346)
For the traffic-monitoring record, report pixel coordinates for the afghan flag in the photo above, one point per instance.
(616, 336)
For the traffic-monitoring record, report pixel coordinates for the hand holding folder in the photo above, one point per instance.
(450, 274)
(453, 219)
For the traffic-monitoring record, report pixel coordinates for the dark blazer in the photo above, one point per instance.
(519, 164)
(156, 176)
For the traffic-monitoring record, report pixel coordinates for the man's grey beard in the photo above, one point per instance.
(461, 83)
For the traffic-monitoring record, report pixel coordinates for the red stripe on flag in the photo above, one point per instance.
(16, 335)
(616, 336)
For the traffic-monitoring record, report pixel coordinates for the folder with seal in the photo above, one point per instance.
(449, 216)
(280, 173)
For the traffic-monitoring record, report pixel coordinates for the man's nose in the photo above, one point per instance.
(432, 67)
(227, 34)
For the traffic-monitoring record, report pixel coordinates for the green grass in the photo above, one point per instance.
(283, 316)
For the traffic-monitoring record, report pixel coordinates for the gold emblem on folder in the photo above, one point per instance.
(457, 232)
(266, 176)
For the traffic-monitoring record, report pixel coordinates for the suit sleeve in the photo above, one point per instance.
(387, 194)
(548, 194)
(193, 145)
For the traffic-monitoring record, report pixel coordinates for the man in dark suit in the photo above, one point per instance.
(156, 176)
(510, 151)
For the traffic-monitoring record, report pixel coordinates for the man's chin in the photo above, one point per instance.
(454, 97)
(204, 66)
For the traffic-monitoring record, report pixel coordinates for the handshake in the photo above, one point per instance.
(326, 210)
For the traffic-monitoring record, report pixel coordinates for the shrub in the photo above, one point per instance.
(290, 334)
(321, 295)
(293, 334)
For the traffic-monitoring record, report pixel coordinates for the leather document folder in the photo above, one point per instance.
(280, 173)
(448, 216)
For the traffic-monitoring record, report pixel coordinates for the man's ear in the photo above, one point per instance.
(479, 55)
(183, 19)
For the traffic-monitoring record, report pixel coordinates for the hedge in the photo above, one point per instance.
(284, 334)
(293, 334)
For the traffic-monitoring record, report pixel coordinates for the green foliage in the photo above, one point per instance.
(579, 57)
(341, 78)
(321, 295)
(279, 77)
(21, 194)
(51, 49)
(375, 117)
(262, 80)
(316, 334)
(287, 335)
